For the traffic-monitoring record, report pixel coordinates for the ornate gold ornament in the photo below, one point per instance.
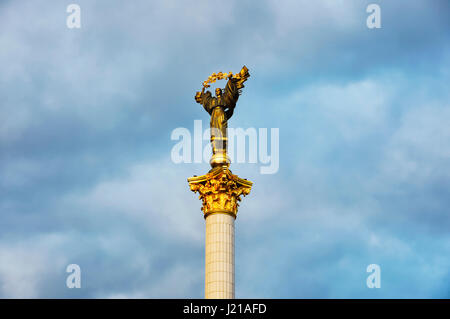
(220, 191)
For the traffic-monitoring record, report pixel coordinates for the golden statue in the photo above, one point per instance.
(221, 108)
(220, 190)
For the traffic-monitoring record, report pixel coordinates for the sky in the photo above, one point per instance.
(86, 175)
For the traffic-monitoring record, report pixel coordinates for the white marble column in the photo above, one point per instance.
(219, 256)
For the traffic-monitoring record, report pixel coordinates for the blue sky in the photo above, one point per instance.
(86, 176)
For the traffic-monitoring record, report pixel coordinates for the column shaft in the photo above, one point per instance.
(219, 256)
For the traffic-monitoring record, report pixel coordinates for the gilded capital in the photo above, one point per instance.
(220, 191)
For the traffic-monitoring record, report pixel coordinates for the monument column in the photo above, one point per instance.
(220, 190)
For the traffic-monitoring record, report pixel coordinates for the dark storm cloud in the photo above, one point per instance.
(85, 123)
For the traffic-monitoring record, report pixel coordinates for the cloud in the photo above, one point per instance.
(85, 123)
(353, 110)
(136, 197)
(418, 151)
(27, 264)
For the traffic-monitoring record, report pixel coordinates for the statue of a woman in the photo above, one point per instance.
(221, 108)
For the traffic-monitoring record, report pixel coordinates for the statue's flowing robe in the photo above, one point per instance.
(221, 109)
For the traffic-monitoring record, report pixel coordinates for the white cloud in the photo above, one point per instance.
(354, 109)
(419, 150)
(20, 173)
(14, 120)
(178, 282)
(25, 265)
(137, 196)
(304, 15)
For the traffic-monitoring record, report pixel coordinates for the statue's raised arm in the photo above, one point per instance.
(234, 87)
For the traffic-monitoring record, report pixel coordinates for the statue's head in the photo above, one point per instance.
(218, 92)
